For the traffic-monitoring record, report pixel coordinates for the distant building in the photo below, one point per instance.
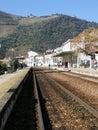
(39, 60)
(30, 60)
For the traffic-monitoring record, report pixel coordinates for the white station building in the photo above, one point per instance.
(62, 56)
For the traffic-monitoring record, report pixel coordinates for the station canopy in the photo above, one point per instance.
(61, 54)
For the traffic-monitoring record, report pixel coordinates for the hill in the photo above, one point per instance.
(37, 33)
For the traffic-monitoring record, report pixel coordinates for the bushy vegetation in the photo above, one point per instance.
(15, 65)
(11, 67)
(3, 68)
(85, 65)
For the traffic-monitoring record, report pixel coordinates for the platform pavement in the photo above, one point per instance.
(11, 79)
(86, 71)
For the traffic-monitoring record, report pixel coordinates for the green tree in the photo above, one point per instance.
(2, 68)
(14, 64)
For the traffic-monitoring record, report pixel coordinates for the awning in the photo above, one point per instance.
(63, 54)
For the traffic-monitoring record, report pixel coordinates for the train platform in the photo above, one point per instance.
(7, 81)
(86, 71)
(11, 85)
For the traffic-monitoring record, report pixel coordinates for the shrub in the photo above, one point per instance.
(2, 68)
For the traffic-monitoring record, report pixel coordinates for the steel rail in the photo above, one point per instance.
(41, 122)
(79, 100)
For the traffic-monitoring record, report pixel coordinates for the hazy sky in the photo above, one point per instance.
(83, 9)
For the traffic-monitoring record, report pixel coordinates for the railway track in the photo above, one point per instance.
(66, 111)
(85, 87)
(26, 114)
(44, 104)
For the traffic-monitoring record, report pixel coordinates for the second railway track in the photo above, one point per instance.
(64, 109)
